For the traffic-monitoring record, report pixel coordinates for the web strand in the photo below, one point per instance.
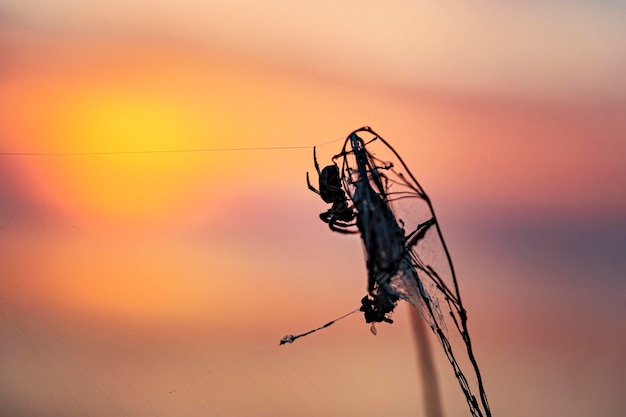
(166, 151)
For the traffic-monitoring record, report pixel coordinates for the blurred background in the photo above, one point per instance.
(159, 284)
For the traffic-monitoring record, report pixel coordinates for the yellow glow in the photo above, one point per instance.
(81, 116)
(127, 185)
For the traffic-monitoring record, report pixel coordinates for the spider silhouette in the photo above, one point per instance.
(341, 214)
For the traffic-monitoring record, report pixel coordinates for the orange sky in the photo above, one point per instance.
(160, 284)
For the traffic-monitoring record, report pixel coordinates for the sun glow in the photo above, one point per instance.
(84, 117)
(132, 184)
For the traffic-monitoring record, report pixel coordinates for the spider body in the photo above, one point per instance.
(341, 213)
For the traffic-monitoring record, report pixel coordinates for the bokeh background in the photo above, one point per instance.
(160, 284)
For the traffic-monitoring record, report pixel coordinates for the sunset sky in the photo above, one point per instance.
(159, 284)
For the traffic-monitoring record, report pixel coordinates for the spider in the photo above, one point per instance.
(340, 216)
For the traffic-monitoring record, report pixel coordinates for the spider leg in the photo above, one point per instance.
(340, 227)
(317, 165)
(334, 223)
(308, 182)
(326, 216)
(317, 168)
